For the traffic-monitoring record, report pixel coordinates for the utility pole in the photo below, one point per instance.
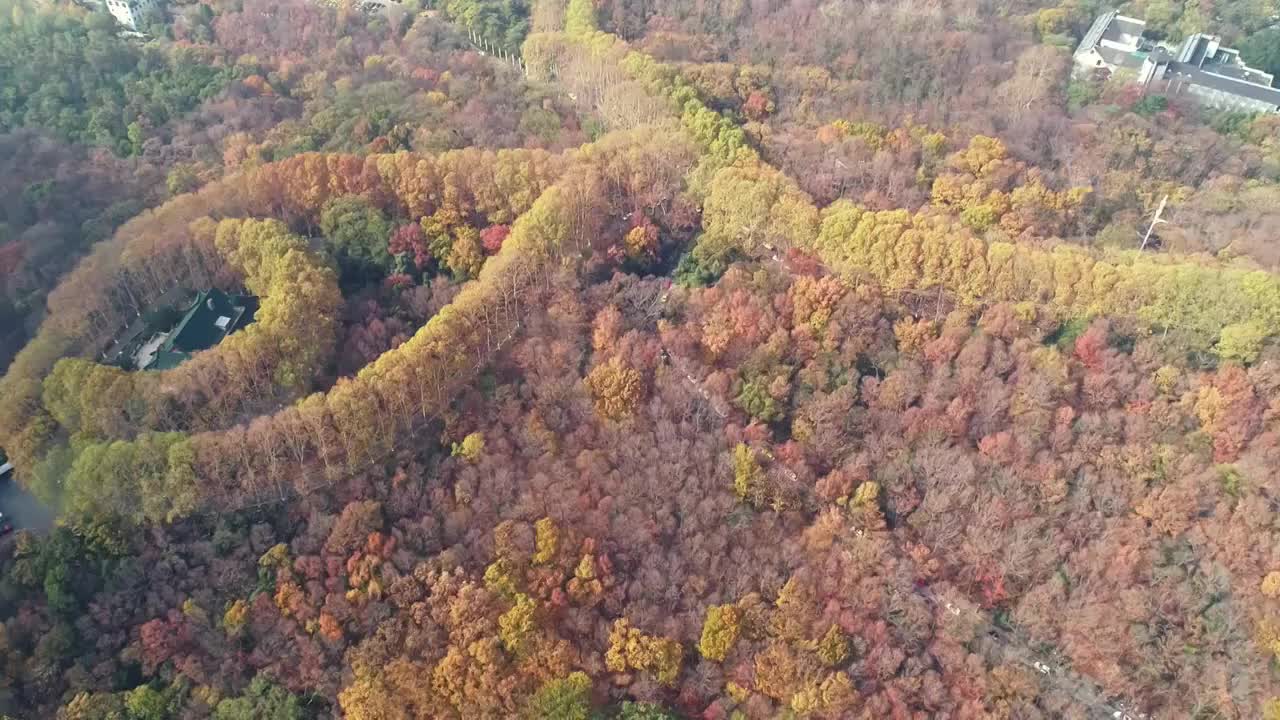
(1155, 220)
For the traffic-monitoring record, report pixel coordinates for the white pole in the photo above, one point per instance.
(1155, 220)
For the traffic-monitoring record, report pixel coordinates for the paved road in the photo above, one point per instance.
(22, 509)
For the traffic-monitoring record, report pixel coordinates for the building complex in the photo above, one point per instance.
(1200, 68)
(163, 339)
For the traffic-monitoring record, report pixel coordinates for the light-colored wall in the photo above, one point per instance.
(123, 13)
(1090, 60)
(128, 12)
(1127, 43)
(1227, 101)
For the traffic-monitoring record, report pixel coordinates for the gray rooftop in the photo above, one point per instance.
(1120, 58)
(1193, 50)
(1115, 28)
(1244, 74)
(1124, 29)
(1243, 88)
(1096, 30)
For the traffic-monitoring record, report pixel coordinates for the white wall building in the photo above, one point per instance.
(1201, 68)
(1114, 41)
(129, 13)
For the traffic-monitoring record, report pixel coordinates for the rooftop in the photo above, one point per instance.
(1241, 72)
(1095, 32)
(167, 334)
(209, 319)
(1115, 41)
(1124, 30)
(1112, 29)
(1216, 81)
(1121, 58)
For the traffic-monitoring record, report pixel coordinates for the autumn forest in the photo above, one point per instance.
(636, 360)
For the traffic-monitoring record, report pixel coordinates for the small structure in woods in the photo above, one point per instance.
(1201, 68)
(165, 337)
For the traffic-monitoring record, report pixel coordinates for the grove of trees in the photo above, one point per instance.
(735, 361)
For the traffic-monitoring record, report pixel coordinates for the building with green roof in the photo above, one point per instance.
(210, 317)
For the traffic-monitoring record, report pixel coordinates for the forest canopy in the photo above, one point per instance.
(638, 361)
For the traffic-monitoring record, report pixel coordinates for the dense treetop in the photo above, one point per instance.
(77, 79)
(720, 361)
